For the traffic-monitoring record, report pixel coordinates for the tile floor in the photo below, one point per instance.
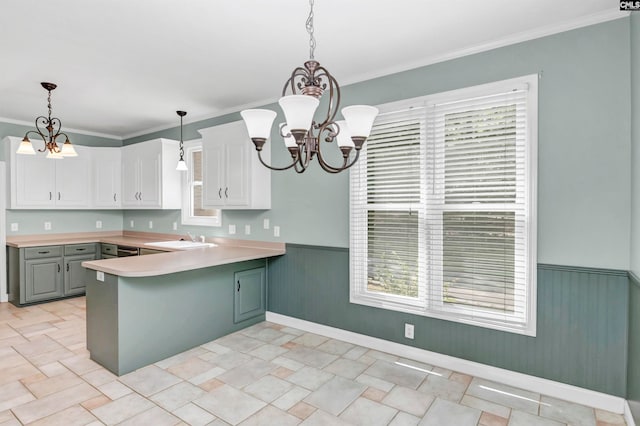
(264, 375)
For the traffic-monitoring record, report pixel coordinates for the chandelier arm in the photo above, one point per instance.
(295, 161)
(330, 168)
(41, 136)
(55, 122)
(334, 95)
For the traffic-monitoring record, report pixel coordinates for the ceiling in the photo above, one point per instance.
(124, 67)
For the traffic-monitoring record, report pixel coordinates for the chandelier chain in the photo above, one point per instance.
(309, 25)
(49, 104)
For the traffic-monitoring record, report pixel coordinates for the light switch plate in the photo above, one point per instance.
(131, 224)
(47, 226)
(247, 230)
(175, 226)
(150, 224)
(232, 229)
(14, 227)
(98, 224)
(408, 331)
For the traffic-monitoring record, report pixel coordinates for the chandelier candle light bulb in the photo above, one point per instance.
(303, 136)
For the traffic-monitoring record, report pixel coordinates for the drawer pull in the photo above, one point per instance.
(43, 252)
(58, 267)
(67, 267)
(238, 285)
(80, 249)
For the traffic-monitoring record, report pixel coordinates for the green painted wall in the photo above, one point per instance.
(635, 143)
(633, 379)
(581, 331)
(62, 221)
(584, 146)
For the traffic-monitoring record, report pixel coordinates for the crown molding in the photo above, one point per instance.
(67, 129)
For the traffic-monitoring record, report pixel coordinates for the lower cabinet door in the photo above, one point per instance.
(43, 279)
(74, 274)
(249, 294)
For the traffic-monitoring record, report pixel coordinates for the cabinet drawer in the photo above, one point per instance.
(109, 249)
(41, 252)
(72, 249)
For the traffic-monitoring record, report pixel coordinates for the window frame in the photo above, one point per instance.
(187, 216)
(359, 294)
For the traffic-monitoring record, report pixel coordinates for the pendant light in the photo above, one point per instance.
(182, 165)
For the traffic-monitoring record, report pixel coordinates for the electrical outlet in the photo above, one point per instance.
(47, 226)
(175, 226)
(247, 230)
(408, 331)
(99, 275)
(131, 224)
(14, 227)
(265, 224)
(232, 229)
(276, 231)
(98, 224)
(150, 224)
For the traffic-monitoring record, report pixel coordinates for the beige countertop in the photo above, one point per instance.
(227, 251)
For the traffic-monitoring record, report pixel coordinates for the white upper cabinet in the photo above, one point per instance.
(149, 176)
(40, 183)
(233, 177)
(107, 178)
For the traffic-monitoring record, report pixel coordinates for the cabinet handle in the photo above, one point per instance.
(226, 192)
(43, 252)
(80, 249)
(238, 285)
(220, 193)
(58, 267)
(114, 197)
(67, 267)
(58, 196)
(50, 196)
(140, 197)
(136, 195)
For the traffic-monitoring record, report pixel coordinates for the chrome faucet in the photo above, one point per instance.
(192, 237)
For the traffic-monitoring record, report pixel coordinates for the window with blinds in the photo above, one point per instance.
(443, 207)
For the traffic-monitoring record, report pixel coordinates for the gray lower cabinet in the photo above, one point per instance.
(249, 296)
(43, 279)
(37, 274)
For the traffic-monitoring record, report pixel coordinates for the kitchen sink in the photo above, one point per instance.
(180, 245)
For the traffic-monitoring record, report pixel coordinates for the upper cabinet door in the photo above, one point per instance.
(107, 171)
(34, 184)
(236, 190)
(73, 179)
(130, 178)
(213, 174)
(149, 176)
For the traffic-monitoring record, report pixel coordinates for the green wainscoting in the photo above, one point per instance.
(633, 376)
(582, 319)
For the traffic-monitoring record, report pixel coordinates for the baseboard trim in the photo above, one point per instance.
(628, 417)
(536, 384)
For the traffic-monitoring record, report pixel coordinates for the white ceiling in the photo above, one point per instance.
(124, 67)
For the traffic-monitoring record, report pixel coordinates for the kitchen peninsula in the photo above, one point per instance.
(142, 309)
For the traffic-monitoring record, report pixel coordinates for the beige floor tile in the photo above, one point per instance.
(488, 419)
(14, 394)
(53, 369)
(611, 418)
(49, 385)
(72, 416)
(194, 415)
(190, 368)
(54, 403)
(302, 410)
(114, 390)
(99, 377)
(177, 396)
(122, 409)
(96, 402)
(80, 364)
(149, 380)
(12, 374)
(155, 416)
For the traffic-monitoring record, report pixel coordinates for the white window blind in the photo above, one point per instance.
(442, 208)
